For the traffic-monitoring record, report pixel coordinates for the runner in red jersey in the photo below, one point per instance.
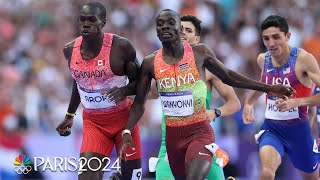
(101, 65)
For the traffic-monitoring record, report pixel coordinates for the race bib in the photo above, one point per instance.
(272, 112)
(177, 103)
(93, 99)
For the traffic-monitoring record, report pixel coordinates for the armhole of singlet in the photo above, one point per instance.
(157, 63)
(266, 61)
(110, 39)
(76, 45)
(186, 48)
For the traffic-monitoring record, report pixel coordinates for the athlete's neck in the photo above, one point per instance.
(92, 45)
(173, 49)
(283, 57)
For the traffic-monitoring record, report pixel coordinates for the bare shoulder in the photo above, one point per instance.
(306, 60)
(201, 48)
(147, 66)
(150, 58)
(123, 48)
(122, 42)
(304, 56)
(67, 50)
(260, 59)
(68, 47)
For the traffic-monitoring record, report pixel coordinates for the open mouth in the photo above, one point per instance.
(85, 32)
(166, 34)
(272, 50)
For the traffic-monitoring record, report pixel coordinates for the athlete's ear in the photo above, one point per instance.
(104, 22)
(288, 36)
(197, 39)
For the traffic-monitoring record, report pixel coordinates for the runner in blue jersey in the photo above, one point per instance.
(285, 130)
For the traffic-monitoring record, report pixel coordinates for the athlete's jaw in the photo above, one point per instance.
(183, 38)
(273, 50)
(167, 35)
(85, 32)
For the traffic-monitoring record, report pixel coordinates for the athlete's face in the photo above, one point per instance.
(168, 26)
(90, 24)
(188, 33)
(275, 41)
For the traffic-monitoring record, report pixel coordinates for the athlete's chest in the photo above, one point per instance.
(176, 75)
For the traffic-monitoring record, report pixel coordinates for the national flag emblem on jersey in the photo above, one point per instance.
(183, 66)
(286, 70)
(101, 62)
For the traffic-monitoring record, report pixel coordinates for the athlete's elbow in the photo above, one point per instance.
(237, 105)
(138, 109)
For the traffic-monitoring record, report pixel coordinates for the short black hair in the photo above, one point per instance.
(102, 9)
(168, 11)
(194, 20)
(275, 21)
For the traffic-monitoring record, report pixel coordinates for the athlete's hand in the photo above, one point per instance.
(285, 104)
(64, 128)
(116, 176)
(281, 91)
(126, 140)
(248, 114)
(211, 114)
(115, 94)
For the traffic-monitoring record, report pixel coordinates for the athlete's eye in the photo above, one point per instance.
(81, 19)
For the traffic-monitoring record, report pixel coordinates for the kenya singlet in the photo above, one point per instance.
(182, 91)
(183, 97)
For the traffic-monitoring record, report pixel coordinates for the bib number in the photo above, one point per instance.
(93, 99)
(177, 103)
(272, 112)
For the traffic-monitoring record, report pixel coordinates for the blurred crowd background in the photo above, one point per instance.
(35, 84)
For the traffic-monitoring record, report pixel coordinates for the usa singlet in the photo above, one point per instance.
(288, 132)
(284, 75)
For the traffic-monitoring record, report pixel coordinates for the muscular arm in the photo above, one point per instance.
(309, 65)
(228, 76)
(232, 104)
(75, 98)
(254, 95)
(248, 110)
(153, 92)
(143, 87)
(131, 68)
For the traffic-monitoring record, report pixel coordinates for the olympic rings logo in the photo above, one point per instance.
(22, 169)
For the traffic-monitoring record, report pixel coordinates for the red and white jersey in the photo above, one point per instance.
(95, 76)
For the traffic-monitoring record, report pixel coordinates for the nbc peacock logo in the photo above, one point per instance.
(22, 164)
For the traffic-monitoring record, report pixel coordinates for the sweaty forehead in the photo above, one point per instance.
(271, 31)
(187, 24)
(90, 10)
(169, 15)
